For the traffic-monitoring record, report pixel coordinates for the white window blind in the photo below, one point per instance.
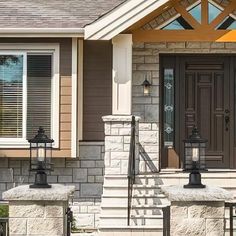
(39, 75)
(11, 96)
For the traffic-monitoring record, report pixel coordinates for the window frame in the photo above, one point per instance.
(36, 49)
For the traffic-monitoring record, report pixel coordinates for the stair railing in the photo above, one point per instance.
(232, 216)
(131, 169)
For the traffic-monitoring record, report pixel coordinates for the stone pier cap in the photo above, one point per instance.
(176, 193)
(57, 192)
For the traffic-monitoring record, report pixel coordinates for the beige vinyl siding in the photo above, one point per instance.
(64, 149)
(97, 88)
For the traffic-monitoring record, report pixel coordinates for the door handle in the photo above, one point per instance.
(227, 119)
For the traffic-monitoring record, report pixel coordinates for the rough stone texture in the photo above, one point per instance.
(88, 168)
(56, 193)
(117, 144)
(178, 193)
(17, 226)
(199, 212)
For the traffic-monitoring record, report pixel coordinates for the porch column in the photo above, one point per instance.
(122, 74)
(197, 211)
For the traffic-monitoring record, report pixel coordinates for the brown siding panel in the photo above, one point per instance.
(97, 88)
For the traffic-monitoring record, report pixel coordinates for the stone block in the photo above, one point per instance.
(147, 67)
(151, 113)
(4, 162)
(54, 211)
(47, 226)
(100, 164)
(17, 226)
(138, 59)
(215, 227)
(99, 179)
(26, 209)
(114, 131)
(87, 164)
(142, 100)
(148, 137)
(91, 179)
(94, 171)
(72, 163)
(119, 155)
(156, 45)
(176, 45)
(145, 126)
(124, 167)
(84, 220)
(126, 139)
(193, 45)
(62, 171)
(91, 190)
(125, 131)
(59, 162)
(65, 179)
(193, 227)
(179, 209)
(206, 210)
(90, 152)
(142, 52)
(151, 59)
(115, 163)
(80, 175)
(114, 143)
(6, 175)
(107, 128)
(112, 171)
(14, 163)
(138, 77)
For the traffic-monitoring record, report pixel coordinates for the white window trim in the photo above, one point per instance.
(31, 48)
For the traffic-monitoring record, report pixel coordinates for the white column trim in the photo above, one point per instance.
(80, 89)
(122, 75)
(74, 98)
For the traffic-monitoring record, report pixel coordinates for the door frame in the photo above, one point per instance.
(175, 60)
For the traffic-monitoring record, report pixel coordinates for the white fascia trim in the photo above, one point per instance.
(74, 98)
(53, 48)
(42, 32)
(121, 18)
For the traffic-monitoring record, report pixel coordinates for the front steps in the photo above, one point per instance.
(147, 218)
(147, 203)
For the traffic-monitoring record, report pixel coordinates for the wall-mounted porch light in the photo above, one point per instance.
(146, 87)
(40, 158)
(195, 158)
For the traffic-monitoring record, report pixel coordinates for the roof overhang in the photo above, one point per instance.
(42, 32)
(121, 18)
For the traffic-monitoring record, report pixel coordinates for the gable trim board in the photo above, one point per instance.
(121, 18)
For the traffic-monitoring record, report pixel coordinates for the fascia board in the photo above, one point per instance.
(121, 18)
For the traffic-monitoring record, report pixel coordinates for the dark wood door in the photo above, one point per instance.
(206, 103)
(204, 97)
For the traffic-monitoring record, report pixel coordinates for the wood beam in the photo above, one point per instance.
(184, 36)
(204, 12)
(229, 9)
(187, 16)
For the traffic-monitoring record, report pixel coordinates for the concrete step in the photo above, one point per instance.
(140, 220)
(138, 199)
(130, 231)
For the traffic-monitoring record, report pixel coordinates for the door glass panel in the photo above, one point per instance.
(168, 107)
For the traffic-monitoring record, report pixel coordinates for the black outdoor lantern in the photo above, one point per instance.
(40, 158)
(194, 158)
(146, 87)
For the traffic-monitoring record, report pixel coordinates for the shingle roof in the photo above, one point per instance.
(53, 13)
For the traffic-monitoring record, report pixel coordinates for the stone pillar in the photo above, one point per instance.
(117, 144)
(197, 211)
(38, 211)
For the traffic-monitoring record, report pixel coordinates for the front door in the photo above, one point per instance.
(202, 96)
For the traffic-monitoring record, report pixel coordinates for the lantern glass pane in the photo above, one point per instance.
(168, 107)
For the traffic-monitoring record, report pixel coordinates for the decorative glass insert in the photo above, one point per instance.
(168, 107)
(213, 12)
(11, 96)
(196, 13)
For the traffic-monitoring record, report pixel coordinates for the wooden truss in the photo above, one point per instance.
(203, 31)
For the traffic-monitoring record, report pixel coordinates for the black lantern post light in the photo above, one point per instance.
(146, 87)
(40, 158)
(195, 158)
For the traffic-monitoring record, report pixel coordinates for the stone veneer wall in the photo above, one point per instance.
(85, 173)
(146, 63)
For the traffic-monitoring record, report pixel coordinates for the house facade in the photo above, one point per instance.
(77, 70)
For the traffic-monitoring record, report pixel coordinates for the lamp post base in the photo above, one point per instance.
(194, 180)
(40, 180)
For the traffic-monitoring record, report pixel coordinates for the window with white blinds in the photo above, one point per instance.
(15, 121)
(11, 96)
(39, 73)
